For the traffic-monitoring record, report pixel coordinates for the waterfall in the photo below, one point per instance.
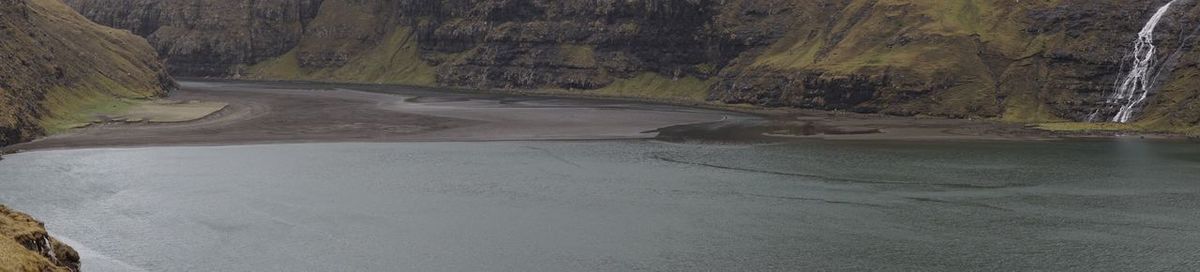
(1134, 87)
(49, 248)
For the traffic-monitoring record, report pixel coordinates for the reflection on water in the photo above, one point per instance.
(620, 205)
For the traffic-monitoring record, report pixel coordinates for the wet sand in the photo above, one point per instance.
(291, 112)
(800, 125)
(295, 112)
(168, 111)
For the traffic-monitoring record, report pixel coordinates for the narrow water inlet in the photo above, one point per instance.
(1135, 86)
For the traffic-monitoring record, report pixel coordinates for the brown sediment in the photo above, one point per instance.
(289, 112)
(298, 112)
(26, 246)
(784, 124)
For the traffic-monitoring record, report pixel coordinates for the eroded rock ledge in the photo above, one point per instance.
(26, 246)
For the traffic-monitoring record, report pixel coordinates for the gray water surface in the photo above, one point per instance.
(620, 206)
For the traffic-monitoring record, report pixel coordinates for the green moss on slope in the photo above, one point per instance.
(655, 86)
(355, 44)
(285, 67)
(58, 65)
(1176, 106)
(395, 60)
(581, 56)
(17, 232)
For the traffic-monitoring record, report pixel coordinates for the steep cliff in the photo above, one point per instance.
(205, 38)
(55, 63)
(26, 247)
(1017, 60)
(1020, 60)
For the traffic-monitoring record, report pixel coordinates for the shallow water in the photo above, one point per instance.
(620, 206)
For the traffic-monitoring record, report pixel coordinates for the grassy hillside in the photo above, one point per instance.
(352, 44)
(394, 60)
(26, 247)
(1018, 61)
(59, 66)
(655, 86)
(930, 46)
(1031, 61)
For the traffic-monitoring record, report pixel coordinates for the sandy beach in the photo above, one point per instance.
(291, 112)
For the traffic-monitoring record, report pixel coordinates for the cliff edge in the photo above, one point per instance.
(56, 65)
(25, 246)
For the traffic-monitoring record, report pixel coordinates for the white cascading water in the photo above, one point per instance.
(49, 247)
(1133, 89)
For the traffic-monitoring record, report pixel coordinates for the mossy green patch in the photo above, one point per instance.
(1025, 109)
(581, 56)
(62, 69)
(394, 60)
(925, 37)
(1143, 127)
(284, 67)
(878, 44)
(17, 229)
(80, 104)
(656, 86)
(1088, 127)
(1176, 106)
(973, 99)
(75, 108)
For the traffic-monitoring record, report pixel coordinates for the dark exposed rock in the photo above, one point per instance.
(1020, 60)
(26, 246)
(566, 44)
(205, 38)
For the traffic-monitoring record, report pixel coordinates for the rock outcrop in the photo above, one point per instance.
(26, 247)
(1017, 60)
(54, 62)
(205, 38)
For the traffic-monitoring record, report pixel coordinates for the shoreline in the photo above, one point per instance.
(25, 243)
(758, 111)
(783, 139)
(298, 113)
(285, 112)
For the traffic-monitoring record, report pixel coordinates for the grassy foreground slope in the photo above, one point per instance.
(56, 65)
(26, 247)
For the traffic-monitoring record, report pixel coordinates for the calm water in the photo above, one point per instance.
(620, 206)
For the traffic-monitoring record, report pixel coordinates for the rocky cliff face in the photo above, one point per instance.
(205, 38)
(54, 62)
(25, 246)
(1018, 60)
